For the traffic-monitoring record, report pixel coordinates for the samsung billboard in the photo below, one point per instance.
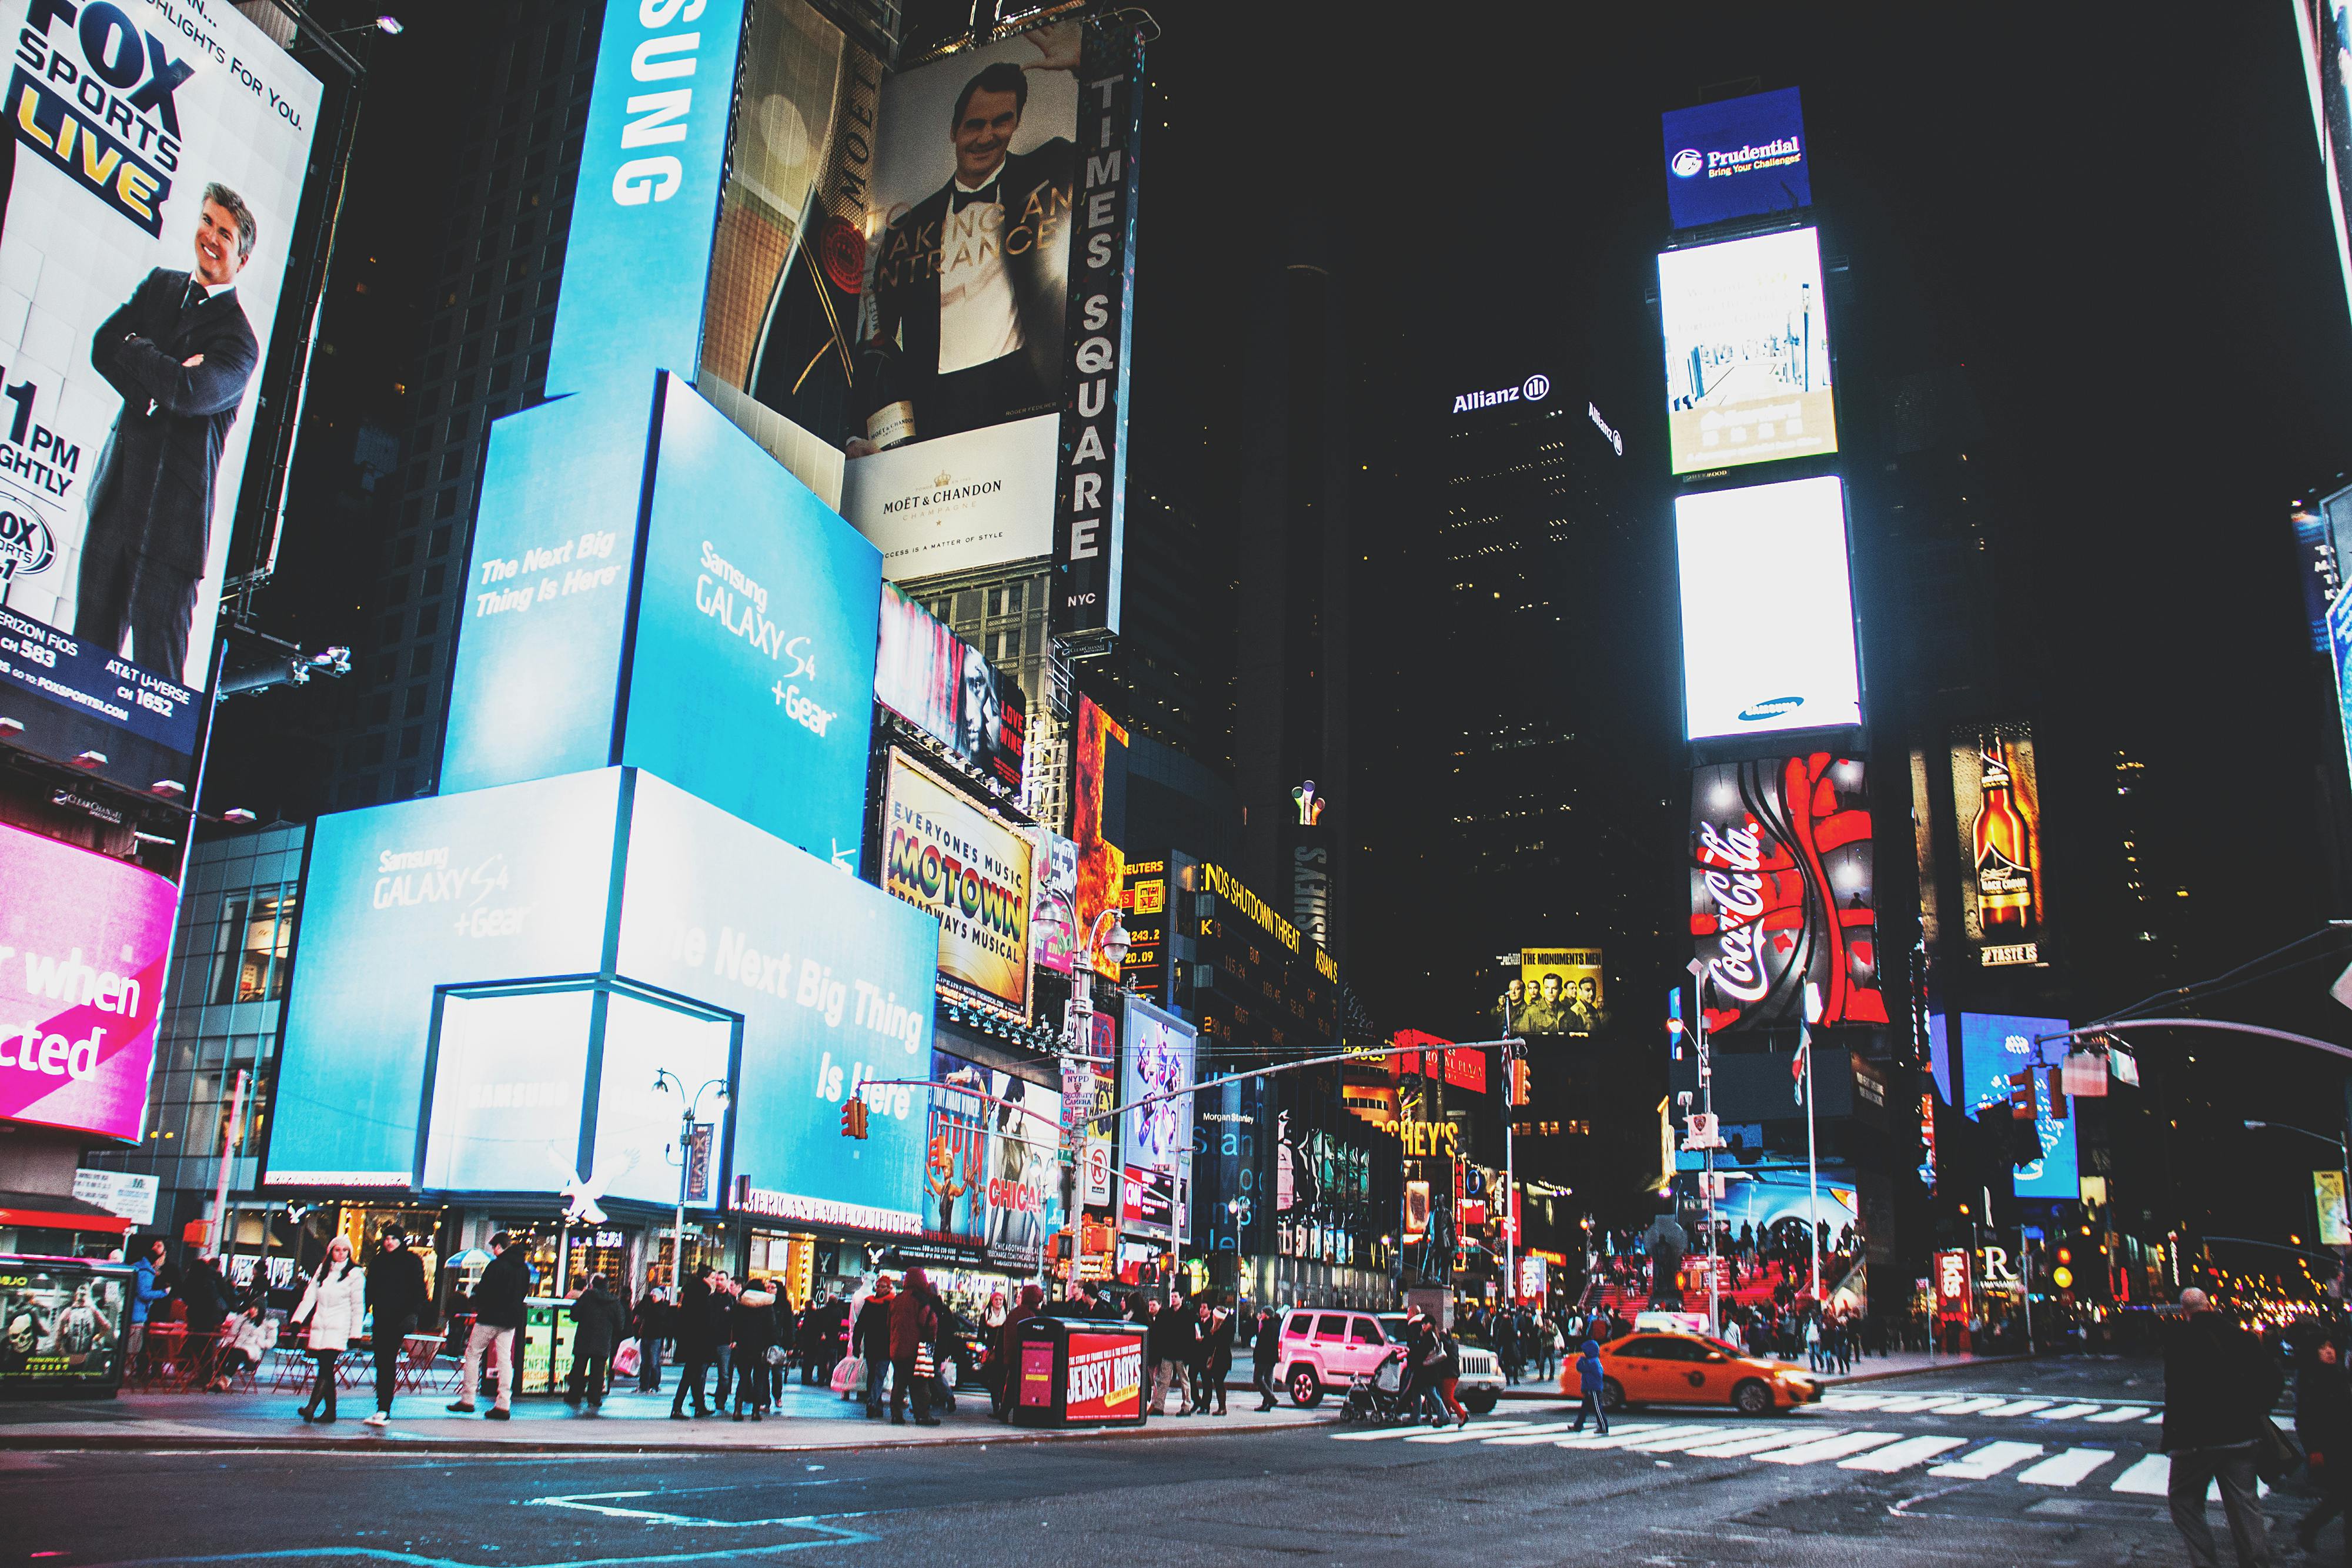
(1748, 351)
(1768, 611)
(1737, 158)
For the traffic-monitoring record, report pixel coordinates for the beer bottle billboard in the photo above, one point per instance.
(1997, 811)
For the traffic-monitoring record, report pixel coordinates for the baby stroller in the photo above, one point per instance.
(1378, 1394)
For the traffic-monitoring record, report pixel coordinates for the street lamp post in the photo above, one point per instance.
(688, 1106)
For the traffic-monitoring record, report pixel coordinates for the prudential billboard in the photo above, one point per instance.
(1737, 158)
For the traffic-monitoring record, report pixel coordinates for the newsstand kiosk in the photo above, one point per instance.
(1077, 1372)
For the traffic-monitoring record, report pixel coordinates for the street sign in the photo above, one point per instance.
(697, 1164)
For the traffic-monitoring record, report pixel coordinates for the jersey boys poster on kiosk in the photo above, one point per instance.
(157, 172)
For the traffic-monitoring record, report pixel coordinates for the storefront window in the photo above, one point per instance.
(256, 931)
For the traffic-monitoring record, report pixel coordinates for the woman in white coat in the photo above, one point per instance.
(334, 1306)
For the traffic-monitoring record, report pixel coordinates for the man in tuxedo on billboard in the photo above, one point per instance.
(180, 351)
(970, 283)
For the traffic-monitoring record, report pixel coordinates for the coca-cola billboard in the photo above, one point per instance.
(1781, 891)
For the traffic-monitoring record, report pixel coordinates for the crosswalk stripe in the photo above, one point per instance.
(2018, 1407)
(1910, 1403)
(1854, 1401)
(2148, 1475)
(1624, 1437)
(1472, 1434)
(1827, 1448)
(1413, 1430)
(2156, 1419)
(1672, 1441)
(2122, 1413)
(1542, 1432)
(1987, 1461)
(1910, 1451)
(1757, 1442)
(2066, 1469)
(2064, 1413)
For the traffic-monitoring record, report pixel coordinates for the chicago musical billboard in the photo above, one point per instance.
(1781, 895)
(1997, 812)
(1768, 609)
(158, 169)
(1748, 351)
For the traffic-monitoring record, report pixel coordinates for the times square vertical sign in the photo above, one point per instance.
(1090, 504)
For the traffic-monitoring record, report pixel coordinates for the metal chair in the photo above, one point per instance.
(420, 1361)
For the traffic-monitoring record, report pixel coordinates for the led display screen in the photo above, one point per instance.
(510, 1081)
(833, 979)
(947, 688)
(1992, 1047)
(1996, 810)
(1561, 991)
(84, 939)
(2325, 27)
(1736, 157)
(1768, 611)
(637, 1123)
(138, 138)
(495, 885)
(990, 1175)
(949, 855)
(1156, 1057)
(1748, 351)
(1781, 895)
(2339, 652)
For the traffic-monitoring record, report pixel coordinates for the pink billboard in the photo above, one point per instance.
(83, 941)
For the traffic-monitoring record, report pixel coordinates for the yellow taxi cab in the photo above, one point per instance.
(1657, 1367)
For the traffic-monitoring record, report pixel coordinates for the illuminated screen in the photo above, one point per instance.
(1993, 1046)
(1736, 157)
(1768, 613)
(1997, 809)
(752, 682)
(83, 941)
(947, 854)
(495, 885)
(1156, 1057)
(1748, 352)
(129, 414)
(833, 979)
(637, 1124)
(947, 688)
(510, 1080)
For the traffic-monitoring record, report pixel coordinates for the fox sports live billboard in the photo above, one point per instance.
(158, 156)
(1768, 612)
(1748, 351)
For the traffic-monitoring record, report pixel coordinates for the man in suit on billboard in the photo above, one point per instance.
(180, 351)
(971, 282)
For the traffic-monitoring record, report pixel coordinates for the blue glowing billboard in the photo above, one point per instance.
(832, 978)
(1736, 159)
(751, 678)
(501, 885)
(1993, 1046)
(2339, 651)
(638, 259)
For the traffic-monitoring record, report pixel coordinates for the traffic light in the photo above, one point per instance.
(2057, 1094)
(852, 1117)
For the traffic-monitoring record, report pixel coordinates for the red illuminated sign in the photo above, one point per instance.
(1106, 1378)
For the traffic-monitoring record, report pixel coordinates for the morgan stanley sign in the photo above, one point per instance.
(1737, 158)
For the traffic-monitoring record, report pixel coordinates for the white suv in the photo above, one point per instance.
(1323, 1348)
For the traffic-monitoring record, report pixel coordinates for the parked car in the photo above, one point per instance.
(1324, 1348)
(1693, 1369)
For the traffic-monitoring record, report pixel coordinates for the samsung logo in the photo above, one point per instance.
(1535, 388)
(1768, 709)
(658, 119)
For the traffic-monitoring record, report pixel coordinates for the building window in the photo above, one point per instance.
(256, 931)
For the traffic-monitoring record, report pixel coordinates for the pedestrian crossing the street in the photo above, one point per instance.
(1942, 1455)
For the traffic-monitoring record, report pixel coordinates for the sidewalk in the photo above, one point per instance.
(809, 1418)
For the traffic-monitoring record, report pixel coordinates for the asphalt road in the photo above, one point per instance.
(2059, 1482)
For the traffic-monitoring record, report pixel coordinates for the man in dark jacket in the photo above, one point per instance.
(655, 1322)
(1170, 1340)
(1213, 1354)
(695, 1344)
(870, 1343)
(752, 1318)
(1007, 1390)
(914, 1322)
(181, 354)
(395, 1294)
(1266, 1355)
(2218, 1384)
(598, 1324)
(498, 1315)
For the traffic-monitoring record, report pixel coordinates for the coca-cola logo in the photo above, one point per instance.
(1736, 886)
